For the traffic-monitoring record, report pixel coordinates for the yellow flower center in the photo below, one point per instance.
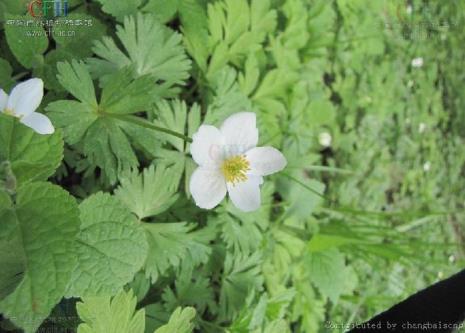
(9, 112)
(235, 168)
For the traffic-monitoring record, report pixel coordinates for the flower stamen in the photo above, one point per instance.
(235, 169)
(9, 112)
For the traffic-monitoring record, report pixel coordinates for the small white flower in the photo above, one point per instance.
(421, 127)
(325, 139)
(417, 62)
(451, 258)
(24, 99)
(410, 83)
(427, 166)
(230, 162)
(440, 275)
(409, 10)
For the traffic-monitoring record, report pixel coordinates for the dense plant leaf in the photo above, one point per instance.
(5, 75)
(28, 43)
(177, 116)
(241, 277)
(38, 234)
(170, 243)
(180, 322)
(193, 18)
(121, 8)
(151, 192)
(237, 28)
(111, 248)
(151, 48)
(190, 288)
(107, 314)
(364, 98)
(76, 40)
(102, 138)
(327, 272)
(32, 156)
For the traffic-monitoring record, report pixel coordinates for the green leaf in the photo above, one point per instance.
(77, 40)
(303, 194)
(170, 243)
(5, 75)
(237, 28)
(32, 156)
(13, 258)
(119, 9)
(192, 288)
(193, 17)
(75, 78)
(111, 314)
(321, 242)
(27, 43)
(175, 115)
(150, 193)
(180, 322)
(241, 276)
(41, 228)
(241, 237)
(14, 7)
(321, 112)
(227, 97)
(150, 48)
(327, 272)
(164, 10)
(124, 95)
(103, 138)
(111, 248)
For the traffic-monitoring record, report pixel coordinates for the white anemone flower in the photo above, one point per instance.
(427, 166)
(417, 62)
(230, 162)
(325, 139)
(22, 103)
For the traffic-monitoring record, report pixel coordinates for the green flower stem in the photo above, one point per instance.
(144, 123)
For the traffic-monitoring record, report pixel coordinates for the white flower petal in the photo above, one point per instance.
(240, 133)
(3, 100)
(39, 123)
(246, 195)
(206, 146)
(208, 187)
(265, 160)
(25, 98)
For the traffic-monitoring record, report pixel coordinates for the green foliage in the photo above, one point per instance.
(151, 48)
(118, 314)
(237, 28)
(171, 243)
(111, 314)
(241, 276)
(327, 272)
(27, 43)
(368, 210)
(5, 75)
(180, 321)
(150, 193)
(120, 9)
(33, 157)
(37, 237)
(103, 138)
(111, 248)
